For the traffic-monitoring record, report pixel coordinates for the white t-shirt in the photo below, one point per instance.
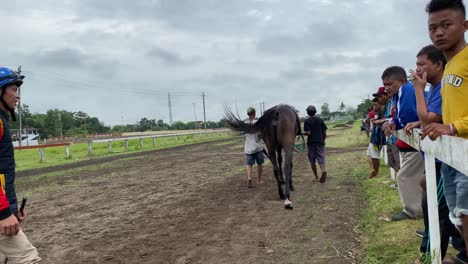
(253, 142)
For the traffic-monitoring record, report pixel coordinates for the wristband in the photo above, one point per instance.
(451, 129)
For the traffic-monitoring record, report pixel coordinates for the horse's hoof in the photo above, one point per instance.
(288, 204)
(291, 188)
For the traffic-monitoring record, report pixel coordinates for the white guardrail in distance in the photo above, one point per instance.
(450, 150)
(126, 139)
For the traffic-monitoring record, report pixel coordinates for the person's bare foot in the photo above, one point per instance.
(323, 178)
(260, 181)
(372, 174)
(249, 183)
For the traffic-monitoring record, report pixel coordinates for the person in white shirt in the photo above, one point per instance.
(253, 150)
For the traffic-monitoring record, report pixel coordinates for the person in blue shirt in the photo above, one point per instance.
(412, 164)
(393, 154)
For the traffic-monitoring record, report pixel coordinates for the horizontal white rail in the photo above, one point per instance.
(450, 150)
(156, 136)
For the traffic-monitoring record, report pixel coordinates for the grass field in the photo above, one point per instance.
(30, 159)
(383, 242)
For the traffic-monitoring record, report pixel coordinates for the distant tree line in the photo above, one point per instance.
(55, 123)
(345, 110)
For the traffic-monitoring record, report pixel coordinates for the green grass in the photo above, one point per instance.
(383, 242)
(351, 137)
(30, 159)
(387, 242)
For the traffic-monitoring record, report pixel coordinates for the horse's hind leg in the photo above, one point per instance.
(280, 164)
(287, 173)
(276, 171)
(290, 180)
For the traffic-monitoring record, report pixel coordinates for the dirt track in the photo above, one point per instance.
(191, 205)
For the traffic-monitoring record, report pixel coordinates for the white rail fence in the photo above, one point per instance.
(178, 138)
(450, 150)
(185, 137)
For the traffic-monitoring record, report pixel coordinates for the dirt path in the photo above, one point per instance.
(191, 205)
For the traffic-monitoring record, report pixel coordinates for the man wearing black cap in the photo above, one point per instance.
(315, 129)
(393, 154)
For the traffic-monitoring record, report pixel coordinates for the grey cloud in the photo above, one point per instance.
(170, 58)
(190, 15)
(317, 37)
(71, 61)
(67, 57)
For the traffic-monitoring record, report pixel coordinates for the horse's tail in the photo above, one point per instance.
(239, 125)
(299, 129)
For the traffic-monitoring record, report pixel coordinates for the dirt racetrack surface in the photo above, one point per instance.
(190, 205)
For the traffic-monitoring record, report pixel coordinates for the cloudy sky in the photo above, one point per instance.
(118, 59)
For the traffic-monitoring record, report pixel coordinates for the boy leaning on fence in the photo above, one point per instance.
(430, 64)
(394, 79)
(375, 145)
(14, 244)
(393, 153)
(447, 25)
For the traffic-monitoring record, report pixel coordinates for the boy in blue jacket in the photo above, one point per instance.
(412, 164)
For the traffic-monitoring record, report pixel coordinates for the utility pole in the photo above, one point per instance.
(204, 112)
(20, 138)
(170, 108)
(61, 129)
(260, 110)
(122, 121)
(195, 115)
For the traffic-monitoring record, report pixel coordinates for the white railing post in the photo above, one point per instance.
(90, 147)
(154, 141)
(433, 207)
(67, 151)
(41, 154)
(109, 146)
(392, 174)
(141, 143)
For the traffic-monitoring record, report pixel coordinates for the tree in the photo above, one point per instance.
(146, 124)
(341, 108)
(351, 111)
(325, 111)
(222, 123)
(364, 106)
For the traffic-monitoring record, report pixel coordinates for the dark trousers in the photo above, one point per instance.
(447, 229)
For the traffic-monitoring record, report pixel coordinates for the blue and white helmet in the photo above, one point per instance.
(8, 76)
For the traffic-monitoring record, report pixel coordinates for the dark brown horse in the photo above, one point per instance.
(278, 128)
